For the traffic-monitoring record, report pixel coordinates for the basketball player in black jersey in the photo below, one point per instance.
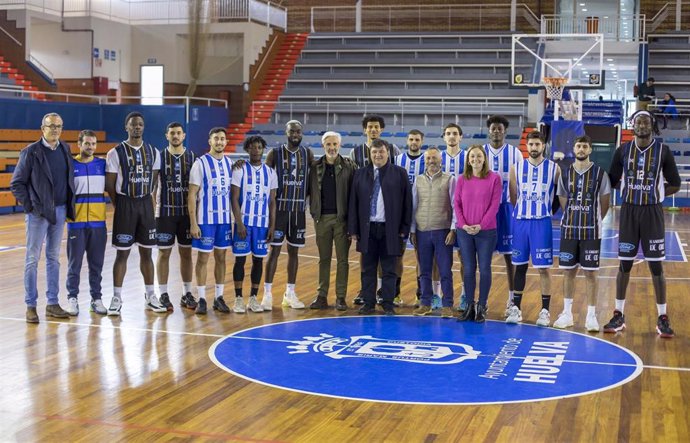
(291, 162)
(172, 216)
(131, 170)
(647, 172)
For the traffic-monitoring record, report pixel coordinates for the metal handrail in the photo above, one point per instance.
(392, 11)
(47, 72)
(10, 36)
(154, 11)
(104, 100)
(442, 106)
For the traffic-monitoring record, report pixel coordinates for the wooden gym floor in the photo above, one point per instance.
(148, 377)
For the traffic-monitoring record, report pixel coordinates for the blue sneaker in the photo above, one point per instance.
(462, 307)
(436, 302)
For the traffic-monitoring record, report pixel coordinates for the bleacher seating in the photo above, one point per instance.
(594, 112)
(338, 78)
(12, 141)
(352, 136)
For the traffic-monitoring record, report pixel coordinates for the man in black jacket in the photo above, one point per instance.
(380, 213)
(43, 182)
(330, 180)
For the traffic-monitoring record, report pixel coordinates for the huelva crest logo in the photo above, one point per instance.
(366, 346)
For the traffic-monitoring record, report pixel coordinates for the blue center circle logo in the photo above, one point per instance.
(425, 360)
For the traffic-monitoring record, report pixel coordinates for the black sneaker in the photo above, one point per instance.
(379, 297)
(359, 300)
(164, 299)
(663, 327)
(201, 307)
(188, 301)
(617, 322)
(219, 305)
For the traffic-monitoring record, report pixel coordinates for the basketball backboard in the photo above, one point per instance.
(577, 57)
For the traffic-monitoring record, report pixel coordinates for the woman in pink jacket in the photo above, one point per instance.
(477, 196)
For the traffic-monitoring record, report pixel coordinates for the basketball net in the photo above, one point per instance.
(554, 90)
(554, 87)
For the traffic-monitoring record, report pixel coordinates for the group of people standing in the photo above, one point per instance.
(483, 199)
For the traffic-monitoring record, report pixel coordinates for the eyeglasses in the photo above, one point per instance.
(53, 127)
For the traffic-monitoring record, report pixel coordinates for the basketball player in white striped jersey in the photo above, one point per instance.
(453, 163)
(532, 190)
(413, 162)
(254, 207)
(501, 156)
(210, 216)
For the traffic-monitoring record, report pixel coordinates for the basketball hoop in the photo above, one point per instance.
(554, 87)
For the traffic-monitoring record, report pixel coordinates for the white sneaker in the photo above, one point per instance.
(152, 304)
(508, 306)
(564, 320)
(72, 306)
(254, 305)
(591, 323)
(290, 299)
(514, 315)
(97, 307)
(267, 301)
(115, 306)
(544, 318)
(239, 306)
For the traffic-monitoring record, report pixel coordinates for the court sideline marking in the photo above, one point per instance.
(217, 336)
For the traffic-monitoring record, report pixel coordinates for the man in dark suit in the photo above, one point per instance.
(380, 213)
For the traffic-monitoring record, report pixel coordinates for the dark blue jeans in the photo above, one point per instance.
(430, 245)
(475, 249)
(91, 241)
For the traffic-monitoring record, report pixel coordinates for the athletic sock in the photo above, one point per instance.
(510, 296)
(291, 287)
(661, 309)
(545, 301)
(117, 292)
(219, 290)
(620, 304)
(253, 292)
(268, 287)
(379, 283)
(436, 287)
(201, 291)
(163, 289)
(568, 305)
(149, 290)
(238, 292)
(591, 310)
(517, 299)
(186, 287)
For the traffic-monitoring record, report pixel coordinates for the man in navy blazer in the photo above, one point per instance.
(380, 213)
